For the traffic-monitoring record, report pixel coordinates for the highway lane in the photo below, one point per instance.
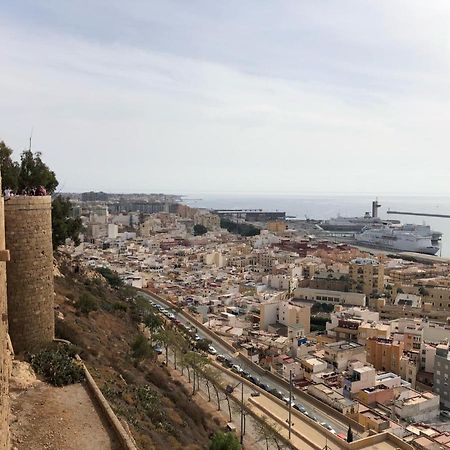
(311, 409)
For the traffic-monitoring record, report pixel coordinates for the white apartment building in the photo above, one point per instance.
(312, 366)
(285, 313)
(264, 239)
(216, 259)
(209, 221)
(360, 377)
(281, 282)
(113, 231)
(416, 406)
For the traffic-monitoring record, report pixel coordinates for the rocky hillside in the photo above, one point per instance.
(101, 318)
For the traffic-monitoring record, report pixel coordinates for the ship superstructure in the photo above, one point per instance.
(406, 238)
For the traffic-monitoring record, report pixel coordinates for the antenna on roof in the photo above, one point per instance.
(31, 137)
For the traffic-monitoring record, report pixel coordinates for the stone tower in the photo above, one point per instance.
(28, 232)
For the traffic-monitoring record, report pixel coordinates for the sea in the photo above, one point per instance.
(327, 206)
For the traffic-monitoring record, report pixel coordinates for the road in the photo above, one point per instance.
(310, 408)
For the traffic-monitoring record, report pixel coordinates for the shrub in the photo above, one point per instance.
(224, 441)
(86, 303)
(118, 306)
(57, 364)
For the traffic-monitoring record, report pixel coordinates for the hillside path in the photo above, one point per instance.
(53, 418)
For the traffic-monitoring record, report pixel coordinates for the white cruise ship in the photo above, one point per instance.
(406, 238)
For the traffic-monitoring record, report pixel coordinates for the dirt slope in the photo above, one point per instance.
(157, 409)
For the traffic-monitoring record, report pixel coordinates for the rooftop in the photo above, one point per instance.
(343, 345)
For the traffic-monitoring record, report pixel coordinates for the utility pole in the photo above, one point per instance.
(242, 412)
(290, 403)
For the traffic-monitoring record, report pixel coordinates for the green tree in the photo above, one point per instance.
(141, 349)
(423, 291)
(199, 230)
(203, 344)
(244, 229)
(34, 173)
(9, 169)
(153, 322)
(224, 441)
(349, 434)
(63, 224)
(111, 277)
(86, 303)
(166, 338)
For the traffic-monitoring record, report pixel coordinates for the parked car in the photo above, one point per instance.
(264, 386)
(277, 393)
(227, 362)
(237, 369)
(212, 350)
(255, 394)
(328, 427)
(299, 407)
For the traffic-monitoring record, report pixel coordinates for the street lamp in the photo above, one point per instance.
(290, 402)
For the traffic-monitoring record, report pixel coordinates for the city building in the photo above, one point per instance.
(412, 405)
(312, 366)
(333, 398)
(384, 354)
(367, 276)
(208, 220)
(360, 377)
(296, 318)
(335, 297)
(339, 354)
(442, 375)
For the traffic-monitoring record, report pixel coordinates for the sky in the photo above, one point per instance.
(235, 96)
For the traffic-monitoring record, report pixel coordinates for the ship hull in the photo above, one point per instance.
(425, 249)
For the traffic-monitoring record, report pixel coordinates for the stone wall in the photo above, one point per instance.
(5, 357)
(30, 271)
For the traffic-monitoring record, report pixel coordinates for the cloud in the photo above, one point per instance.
(325, 98)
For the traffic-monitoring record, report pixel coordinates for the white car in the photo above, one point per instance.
(212, 350)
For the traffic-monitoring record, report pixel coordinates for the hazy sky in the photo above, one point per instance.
(241, 96)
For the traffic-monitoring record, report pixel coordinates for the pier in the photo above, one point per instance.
(409, 213)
